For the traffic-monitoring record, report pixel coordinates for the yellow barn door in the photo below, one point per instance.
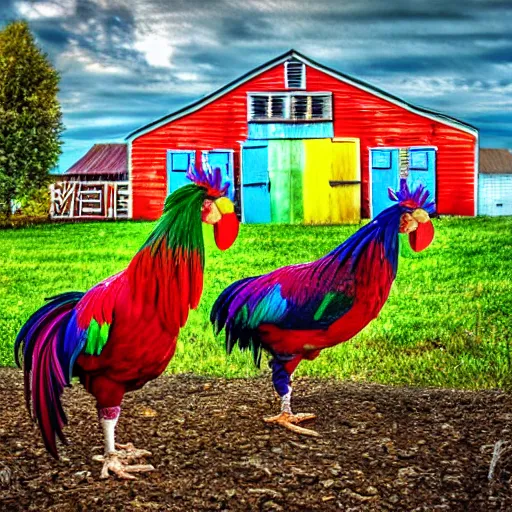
(332, 186)
(345, 182)
(317, 172)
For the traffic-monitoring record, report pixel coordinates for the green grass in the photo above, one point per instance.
(447, 321)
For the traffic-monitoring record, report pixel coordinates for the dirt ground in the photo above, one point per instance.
(381, 448)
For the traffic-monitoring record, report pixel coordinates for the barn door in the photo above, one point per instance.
(178, 163)
(345, 180)
(256, 184)
(223, 159)
(285, 164)
(422, 169)
(384, 174)
(317, 175)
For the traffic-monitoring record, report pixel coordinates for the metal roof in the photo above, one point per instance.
(495, 161)
(436, 116)
(102, 159)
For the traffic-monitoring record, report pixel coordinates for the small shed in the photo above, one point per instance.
(96, 186)
(495, 182)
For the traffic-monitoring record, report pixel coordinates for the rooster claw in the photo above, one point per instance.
(128, 451)
(117, 465)
(290, 421)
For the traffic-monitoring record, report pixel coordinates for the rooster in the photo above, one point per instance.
(122, 332)
(296, 311)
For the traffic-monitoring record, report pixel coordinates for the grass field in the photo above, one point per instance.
(448, 320)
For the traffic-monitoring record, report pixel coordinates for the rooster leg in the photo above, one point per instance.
(289, 420)
(282, 384)
(118, 462)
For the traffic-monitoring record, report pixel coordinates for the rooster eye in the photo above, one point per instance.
(209, 212)
(207, 206)
(407, 223)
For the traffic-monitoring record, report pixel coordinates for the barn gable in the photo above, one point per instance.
(296, 56)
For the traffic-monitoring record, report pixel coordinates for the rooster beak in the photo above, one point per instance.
(225, 230)
(421, 237)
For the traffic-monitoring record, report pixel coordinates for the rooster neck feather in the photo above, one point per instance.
(166, 275)
(382, 230)
(180, 226)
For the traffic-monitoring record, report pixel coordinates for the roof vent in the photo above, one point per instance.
(295, 74)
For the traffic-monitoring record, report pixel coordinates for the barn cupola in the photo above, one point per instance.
(294, 74)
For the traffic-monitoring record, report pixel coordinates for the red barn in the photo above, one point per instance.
(304, 143)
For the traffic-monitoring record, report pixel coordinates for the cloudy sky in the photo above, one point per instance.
(124, 63)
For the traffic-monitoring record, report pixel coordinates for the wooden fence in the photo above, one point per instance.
(93, 200)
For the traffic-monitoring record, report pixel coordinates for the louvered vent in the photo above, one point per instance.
(259, 107)
(311, 107)
(321, 107)
(263, 107)
(300, 108)
(295, 74)
(277, 107)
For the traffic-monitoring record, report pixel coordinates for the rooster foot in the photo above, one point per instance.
(117, 464)
(290, 421)
(128, 451)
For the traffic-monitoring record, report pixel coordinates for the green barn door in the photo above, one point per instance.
(285, 165)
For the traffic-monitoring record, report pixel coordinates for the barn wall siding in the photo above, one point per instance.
(357, 114)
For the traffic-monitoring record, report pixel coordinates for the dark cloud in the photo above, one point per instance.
(7, 11)
(379, 15)
(52, 35)
(250, 28)
(412, 65)
(500, 55)
(86, 9)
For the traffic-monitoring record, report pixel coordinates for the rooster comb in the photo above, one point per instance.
(210, 179)
(417, 198)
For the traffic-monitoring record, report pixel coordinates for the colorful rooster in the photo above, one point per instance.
(122, 332)
(296, 311)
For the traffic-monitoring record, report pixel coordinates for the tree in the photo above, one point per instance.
(30, 115)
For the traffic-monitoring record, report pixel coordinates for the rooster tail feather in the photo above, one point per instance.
(221, 308)
(48, 357)
(231, 314)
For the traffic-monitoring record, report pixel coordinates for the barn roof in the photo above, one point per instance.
(102, 159)
(495, 161)
(436, 116)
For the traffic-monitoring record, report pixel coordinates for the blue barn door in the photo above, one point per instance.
(223, 159)
(178, 163)
(385, 174)
(256, 183)
(422, 169)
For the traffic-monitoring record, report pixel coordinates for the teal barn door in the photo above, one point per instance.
(256, 184)
(178, 163)
(385, 174)
(422, 169)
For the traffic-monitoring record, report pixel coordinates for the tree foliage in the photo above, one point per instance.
(30, 115)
